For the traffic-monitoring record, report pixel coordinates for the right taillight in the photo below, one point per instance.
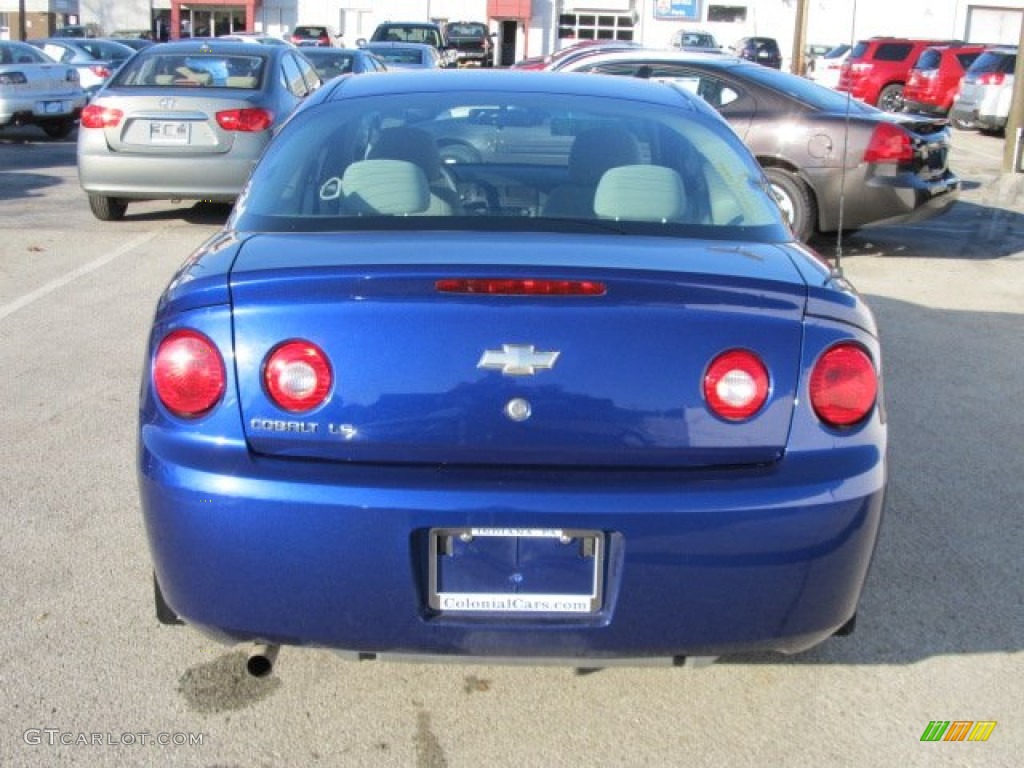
(889, 144)
(95, 116)
(188, 374)
(991, 78)
(843, 385)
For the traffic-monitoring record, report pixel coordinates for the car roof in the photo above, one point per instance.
(214, 45)
(513, 81)
(650, 54)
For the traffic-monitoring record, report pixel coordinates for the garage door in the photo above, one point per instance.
(993, 25)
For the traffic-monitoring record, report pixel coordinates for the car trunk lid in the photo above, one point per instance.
(427, 376)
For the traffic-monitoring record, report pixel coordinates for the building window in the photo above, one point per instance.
(592, 26)
(727, 13)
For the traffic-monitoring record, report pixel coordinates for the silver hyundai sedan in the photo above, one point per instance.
(186, 121)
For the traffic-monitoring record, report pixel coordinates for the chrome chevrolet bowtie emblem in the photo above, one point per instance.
(517, 360)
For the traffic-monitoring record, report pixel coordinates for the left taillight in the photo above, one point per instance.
(889, 144)
(188, 374)
(96, 116)
(248, 120)
(100, 70)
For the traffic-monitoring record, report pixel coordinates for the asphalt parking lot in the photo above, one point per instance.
(89, 677)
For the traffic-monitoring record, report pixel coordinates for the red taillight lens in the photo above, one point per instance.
(245, 120)
(521, 287)
(100, 70)
(844, 385)
(95, 116)
(991, 78)
(297, 376)
(188, 374)
(736, 385)
(889, 144)
(325, 39)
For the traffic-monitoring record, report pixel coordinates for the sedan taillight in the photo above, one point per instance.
(297, 376)
(96, 116)
(250, 120)
(843, 385)
(188, 374)
(13, 78)
(100, 70)
(889, 144)
(736, 385)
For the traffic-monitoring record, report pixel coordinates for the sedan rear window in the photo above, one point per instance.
(525, 162)
(193, 69)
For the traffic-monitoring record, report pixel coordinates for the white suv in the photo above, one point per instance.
(986, 91)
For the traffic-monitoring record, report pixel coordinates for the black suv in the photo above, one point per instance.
(472, 42)
(416, 32)
(763, 50)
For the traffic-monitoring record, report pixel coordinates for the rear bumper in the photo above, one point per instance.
(975, 118)
(880, 195)
(218, 178)
(923, 107)
(335, 555)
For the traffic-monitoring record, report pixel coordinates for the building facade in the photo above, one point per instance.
(537, 27)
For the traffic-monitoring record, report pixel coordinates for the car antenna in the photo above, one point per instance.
(837, 261)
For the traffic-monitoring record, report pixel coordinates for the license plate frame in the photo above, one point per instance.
(170, 132)
(54, 107)
(516, 572)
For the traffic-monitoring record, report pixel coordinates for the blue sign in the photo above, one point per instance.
(680, 10)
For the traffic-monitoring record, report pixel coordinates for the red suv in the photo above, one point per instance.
(935, 77)
(877, 69)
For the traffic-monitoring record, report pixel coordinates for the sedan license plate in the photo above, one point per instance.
(52, 108)
(525, 571)
(169, 131)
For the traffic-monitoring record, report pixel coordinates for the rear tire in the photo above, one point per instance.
(795, 200)
(59, 129)
(891, 98)
(107, 208)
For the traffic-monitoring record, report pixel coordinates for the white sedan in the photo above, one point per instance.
(36, 90)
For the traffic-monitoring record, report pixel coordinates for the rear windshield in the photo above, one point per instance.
(311, 31)
(401, 34)
(20, 53)
(519, 162)
(107, 51)
(209, 70)
(994, 61)
(966, 59)
(399, 55)
(837, 53)
(893, 51)
(466, 30)
(929, 59)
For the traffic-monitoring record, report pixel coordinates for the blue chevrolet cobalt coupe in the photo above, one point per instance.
(582, 398)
